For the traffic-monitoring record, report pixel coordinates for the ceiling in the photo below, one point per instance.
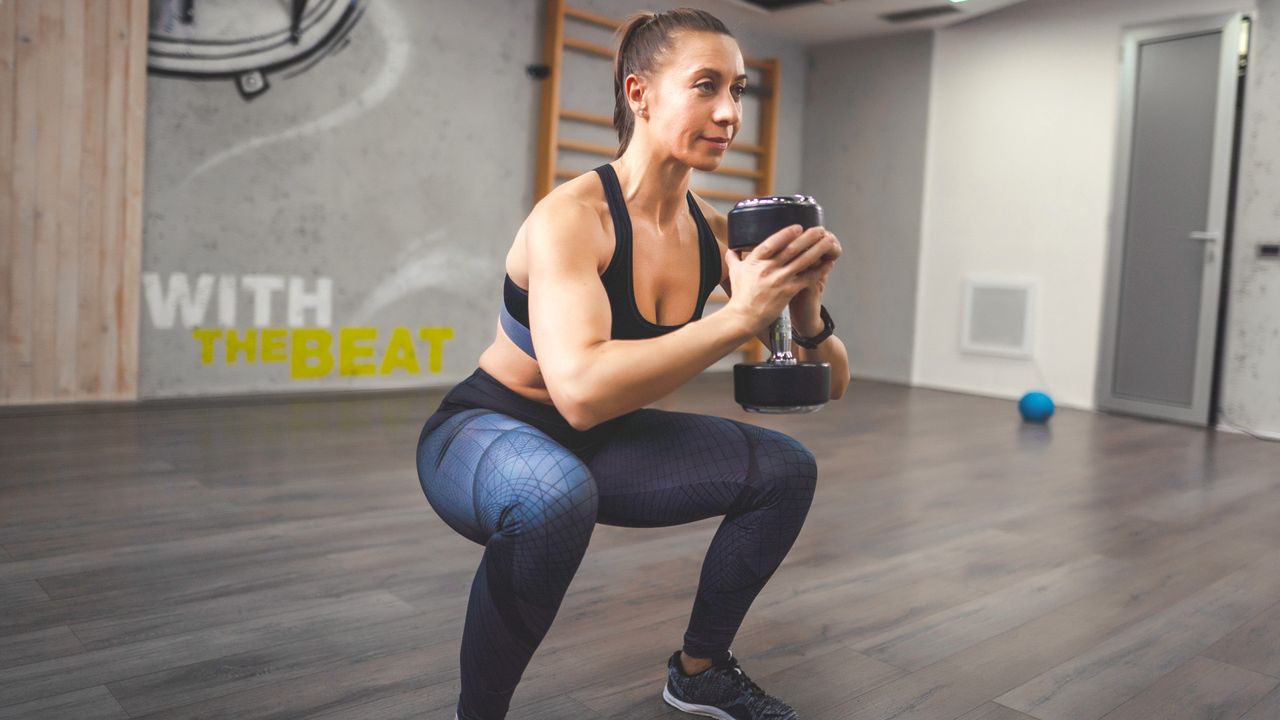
(823, 21)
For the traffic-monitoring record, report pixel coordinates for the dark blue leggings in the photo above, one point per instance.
(533, 503)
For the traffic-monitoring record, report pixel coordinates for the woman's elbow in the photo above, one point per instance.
(839, 386)
(573, 405)
(578, 414)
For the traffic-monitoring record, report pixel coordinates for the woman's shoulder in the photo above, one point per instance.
(569, 218)
(583, 192)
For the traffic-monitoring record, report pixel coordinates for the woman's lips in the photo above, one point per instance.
(722, 144)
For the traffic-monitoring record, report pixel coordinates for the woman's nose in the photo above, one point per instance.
(727, 112)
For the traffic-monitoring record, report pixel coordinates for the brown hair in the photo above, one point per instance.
(643, 39)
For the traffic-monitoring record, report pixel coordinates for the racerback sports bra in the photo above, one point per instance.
(628, 324)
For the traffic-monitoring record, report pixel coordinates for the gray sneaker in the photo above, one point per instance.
(721, 691)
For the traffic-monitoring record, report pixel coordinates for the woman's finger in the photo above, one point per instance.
(799, 245)
(837, 248)
(776, 242)
(809, 256)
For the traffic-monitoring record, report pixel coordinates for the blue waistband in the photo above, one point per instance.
(518, 333)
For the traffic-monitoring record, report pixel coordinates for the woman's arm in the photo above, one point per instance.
(590, 377)
(831, 350)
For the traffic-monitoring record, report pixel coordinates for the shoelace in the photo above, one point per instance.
(741, 680)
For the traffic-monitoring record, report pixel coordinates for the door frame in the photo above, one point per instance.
(1214, 235)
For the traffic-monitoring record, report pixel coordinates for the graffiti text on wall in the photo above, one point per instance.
(311, 350)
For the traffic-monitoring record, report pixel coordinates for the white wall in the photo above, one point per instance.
(864, 131)
(1022, 125)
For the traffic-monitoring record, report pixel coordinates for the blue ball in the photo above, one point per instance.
(1036, 407)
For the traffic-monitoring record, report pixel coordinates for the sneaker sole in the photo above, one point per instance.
(703, 710)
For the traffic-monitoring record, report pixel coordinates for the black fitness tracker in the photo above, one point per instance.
(828, 326)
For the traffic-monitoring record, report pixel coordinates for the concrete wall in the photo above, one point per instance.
(1251, 380)
(866, 110)
(363, 209)
(1018, 182)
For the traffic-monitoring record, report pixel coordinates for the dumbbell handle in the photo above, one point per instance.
(780, 339)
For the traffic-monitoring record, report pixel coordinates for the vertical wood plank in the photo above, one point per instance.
(44, 316)
(769, 125)
(25, 165)
(64, 357)
(93, 169)
(131, 255)
(8, 34)
(113, 190)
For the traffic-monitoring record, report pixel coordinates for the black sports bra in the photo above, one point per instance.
(628, 323)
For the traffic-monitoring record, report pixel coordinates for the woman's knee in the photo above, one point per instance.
(782, 463)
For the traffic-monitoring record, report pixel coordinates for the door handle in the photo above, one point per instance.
(1205, 236)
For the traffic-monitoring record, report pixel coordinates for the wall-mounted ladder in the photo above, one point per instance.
(551, 142)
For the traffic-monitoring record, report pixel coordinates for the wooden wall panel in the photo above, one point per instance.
(129, 310)
(73, 83)
(112, 195)
(92, 171)
(22, 235)
(44, 304)
(8, 36)
(72, 121)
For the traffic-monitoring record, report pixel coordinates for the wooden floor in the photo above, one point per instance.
(280, 561)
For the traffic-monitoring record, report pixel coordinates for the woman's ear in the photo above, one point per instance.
(635, 91)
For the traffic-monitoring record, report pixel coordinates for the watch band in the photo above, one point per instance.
(828, 326)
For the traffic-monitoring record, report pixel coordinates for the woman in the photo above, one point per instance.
(603, 299)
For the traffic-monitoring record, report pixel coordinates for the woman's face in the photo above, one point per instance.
(695, 105)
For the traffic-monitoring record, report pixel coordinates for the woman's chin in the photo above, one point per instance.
(706, 162)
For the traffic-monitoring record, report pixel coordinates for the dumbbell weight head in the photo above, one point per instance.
(781, 384)
(774, 388)
(753, 220)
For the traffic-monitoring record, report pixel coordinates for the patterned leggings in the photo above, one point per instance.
(533, 503)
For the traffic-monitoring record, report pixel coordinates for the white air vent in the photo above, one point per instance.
(997, 317)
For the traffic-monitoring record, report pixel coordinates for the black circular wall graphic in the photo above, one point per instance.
(246, 40)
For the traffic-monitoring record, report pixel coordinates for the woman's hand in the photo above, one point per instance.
(806, 304)
(774, 272)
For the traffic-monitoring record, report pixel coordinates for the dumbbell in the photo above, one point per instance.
(781, 384)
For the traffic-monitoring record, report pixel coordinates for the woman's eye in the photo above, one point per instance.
(709, 86)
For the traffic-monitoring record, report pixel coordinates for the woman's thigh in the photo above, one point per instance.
(483, 471)
(668, 468)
